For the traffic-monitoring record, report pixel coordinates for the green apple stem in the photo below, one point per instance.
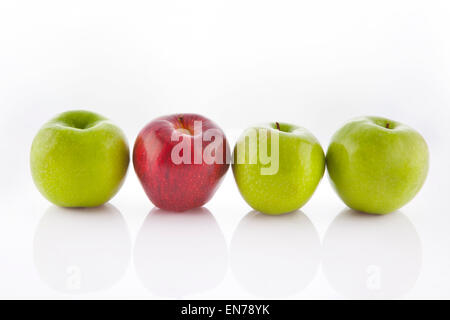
(387, 125)
(278, 126)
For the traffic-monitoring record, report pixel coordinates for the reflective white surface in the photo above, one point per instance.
(130, 250)
(81, 250)
(315, 64)
(275, 256)
(367, 256)
(177, 255)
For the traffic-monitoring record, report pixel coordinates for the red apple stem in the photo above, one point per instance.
(278, 126)
(180, 120)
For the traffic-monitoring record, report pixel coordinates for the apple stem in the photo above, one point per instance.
(278, 126)
(180, 120)
(387, 125)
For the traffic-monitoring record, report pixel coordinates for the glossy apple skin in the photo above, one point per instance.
(79, 159)
(377, 165)
(301, 167)
(171, 186)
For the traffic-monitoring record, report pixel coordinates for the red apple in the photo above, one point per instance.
(180, 160)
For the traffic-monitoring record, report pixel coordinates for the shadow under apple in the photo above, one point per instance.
(275, 256)
(179, 254)
(372, 256)
(81, 250)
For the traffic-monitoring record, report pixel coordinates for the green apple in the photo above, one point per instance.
(377, 165)
(79, 159)
(277, 167)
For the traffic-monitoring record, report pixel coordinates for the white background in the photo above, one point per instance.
(313, 63)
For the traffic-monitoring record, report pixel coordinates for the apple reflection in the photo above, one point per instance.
(372, 256)
(81, 250)
(178, 254)
(275, 256)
